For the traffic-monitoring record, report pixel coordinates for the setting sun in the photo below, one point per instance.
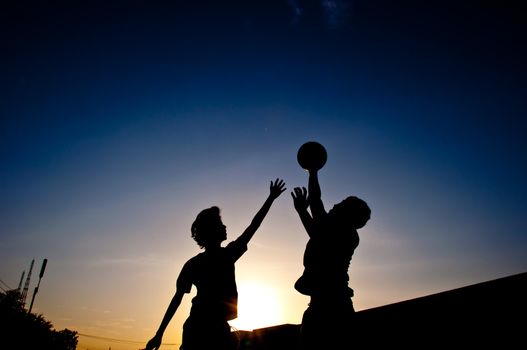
(258, 307)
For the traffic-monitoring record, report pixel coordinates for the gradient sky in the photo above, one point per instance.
(121, 120)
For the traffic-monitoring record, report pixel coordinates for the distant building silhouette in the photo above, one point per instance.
(281, 337)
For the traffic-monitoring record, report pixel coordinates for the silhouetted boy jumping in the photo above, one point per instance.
(212, 272)
(333, 237)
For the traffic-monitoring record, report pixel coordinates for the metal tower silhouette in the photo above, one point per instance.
(26, 285)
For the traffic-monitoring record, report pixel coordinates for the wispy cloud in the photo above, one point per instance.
(335, 12)
(149, 260)
(296, 9)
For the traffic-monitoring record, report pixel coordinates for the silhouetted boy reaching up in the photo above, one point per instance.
(333, 238)
(212, 272)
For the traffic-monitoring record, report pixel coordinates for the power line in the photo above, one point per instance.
(5, 284)
(116, 340)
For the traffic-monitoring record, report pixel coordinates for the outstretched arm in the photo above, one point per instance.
(315, 196)
(275, 190)
(155, 342)
(300, 201)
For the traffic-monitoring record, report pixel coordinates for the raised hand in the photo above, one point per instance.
(154, 343)
(300, 198)
(276, 188)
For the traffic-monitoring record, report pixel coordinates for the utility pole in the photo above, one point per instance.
(26, 285)
(20, 283)
(42, 269)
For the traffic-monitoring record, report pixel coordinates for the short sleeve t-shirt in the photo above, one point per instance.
(326, 261)
(213, 274)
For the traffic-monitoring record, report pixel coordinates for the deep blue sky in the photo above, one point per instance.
(122, 119)
(79, 69)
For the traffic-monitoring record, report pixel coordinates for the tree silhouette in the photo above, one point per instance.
(20, 329)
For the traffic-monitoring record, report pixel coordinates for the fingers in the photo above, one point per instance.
(299, 192)
(294, 195)
(278, 184)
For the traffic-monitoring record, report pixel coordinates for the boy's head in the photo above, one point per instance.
(208, 228)
(353, 211)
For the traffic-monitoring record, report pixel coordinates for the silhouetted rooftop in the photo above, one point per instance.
(483, 314)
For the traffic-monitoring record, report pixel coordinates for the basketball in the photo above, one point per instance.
(312, 156)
